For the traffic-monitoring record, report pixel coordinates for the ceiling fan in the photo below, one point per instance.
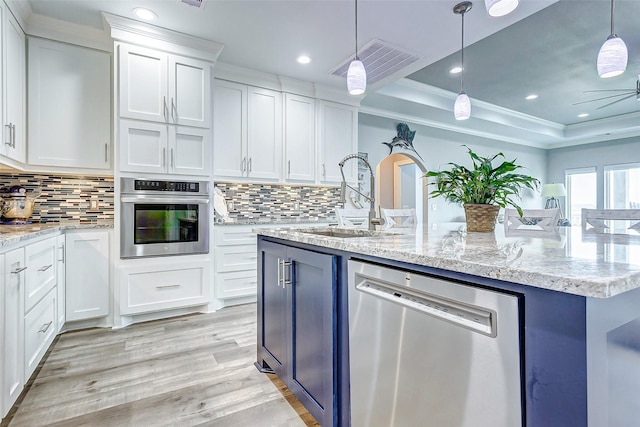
(624, 94)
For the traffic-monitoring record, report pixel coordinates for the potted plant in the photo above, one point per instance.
(483, 189)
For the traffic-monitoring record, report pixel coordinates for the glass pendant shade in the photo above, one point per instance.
(462, 107)
(500, 7)
(356, 78)
(613, 57)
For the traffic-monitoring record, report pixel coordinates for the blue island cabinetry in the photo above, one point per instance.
(296, 323)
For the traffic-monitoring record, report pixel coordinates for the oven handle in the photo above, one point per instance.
(147, 199)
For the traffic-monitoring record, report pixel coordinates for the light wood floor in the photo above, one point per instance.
(189, 371)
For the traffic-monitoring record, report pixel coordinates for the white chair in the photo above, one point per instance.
(616, 219)
(532, 220)
(399, 218)
(352, 218)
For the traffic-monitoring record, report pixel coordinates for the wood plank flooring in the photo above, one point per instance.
(189, 371)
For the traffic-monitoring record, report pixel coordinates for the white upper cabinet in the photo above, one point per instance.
(69, 106)
(13, 88)
(338, 137)
(299, 138)
(160, 87)
(247, 132)
(158, 148)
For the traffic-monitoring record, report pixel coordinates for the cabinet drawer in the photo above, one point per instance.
(39, 331)
(235, 258)
(234, 235)
(41, 272)
(236, 284)
(161, 288)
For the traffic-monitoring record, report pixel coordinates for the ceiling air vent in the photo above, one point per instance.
(194, 3)
(380, 59)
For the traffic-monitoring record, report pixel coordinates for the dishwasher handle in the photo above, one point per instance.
(461, 314)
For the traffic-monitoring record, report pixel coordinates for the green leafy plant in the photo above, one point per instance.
(483, 183)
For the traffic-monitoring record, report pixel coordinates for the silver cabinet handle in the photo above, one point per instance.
(244, 164)
(45, 327)
(13, 135)
(168, 286)
(324, 171)
(173, 109)
(18, 270)
(286, 281)
(279, 273)
(106, 152)
(249, 166)
(173, 162)
(45, 268)
(61, 259)
(289, 168)
(165, 109)
(164, 157)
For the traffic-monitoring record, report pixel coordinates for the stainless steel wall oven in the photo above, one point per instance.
(160, 217)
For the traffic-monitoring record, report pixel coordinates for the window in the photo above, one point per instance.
(622, 186)
(582, 192)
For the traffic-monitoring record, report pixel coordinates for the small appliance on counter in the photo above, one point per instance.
(17, 205)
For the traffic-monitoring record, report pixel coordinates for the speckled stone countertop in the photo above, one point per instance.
(12, 234)
(277, 221)
(569, 260)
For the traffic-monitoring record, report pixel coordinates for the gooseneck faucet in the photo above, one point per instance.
(373, 220)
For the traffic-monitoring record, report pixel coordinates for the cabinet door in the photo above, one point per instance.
(299, 138)
(338, 137)
(189, 150)
(264, 134)
(14, 88)
(41, 274)
(39, 332)
(87, 275)
(143, 84)
(274, 310)
(190, 92)
(13, 355)
(313, 355)
(229, 129)
(60, 285)
(69, 105)
(143, 146)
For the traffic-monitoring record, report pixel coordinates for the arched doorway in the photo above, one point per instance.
(401, 184)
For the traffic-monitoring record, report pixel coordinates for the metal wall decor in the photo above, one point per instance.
(404, 139)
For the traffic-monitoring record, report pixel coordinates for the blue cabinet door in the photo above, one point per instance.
(313, 355)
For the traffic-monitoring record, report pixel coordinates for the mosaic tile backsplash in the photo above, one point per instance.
(279, 201)
(65, 198)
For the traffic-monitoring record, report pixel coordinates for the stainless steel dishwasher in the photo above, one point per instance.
(430, 352)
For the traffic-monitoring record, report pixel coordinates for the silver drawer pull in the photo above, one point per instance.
(18, 270)
(168, 286)
(45, 327)
(45, 268)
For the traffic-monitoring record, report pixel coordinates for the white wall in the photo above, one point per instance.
(439, 147)
(588, 155)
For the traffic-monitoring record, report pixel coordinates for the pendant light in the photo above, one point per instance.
(500, 7)
(613, 56)
(462, 106)
(356, 75)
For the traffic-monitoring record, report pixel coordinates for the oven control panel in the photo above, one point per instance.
(180, 186)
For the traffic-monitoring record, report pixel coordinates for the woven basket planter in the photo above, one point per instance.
(481, 217)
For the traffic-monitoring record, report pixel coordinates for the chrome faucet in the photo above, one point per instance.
(373, 220)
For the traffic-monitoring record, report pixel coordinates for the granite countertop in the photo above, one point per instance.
(12, 234)
(277, 221)
(568, 260)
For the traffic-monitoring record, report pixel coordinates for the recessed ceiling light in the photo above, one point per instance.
(532, 96)
(145, 14)
(581, 115)
(455, 70)
(303, 59)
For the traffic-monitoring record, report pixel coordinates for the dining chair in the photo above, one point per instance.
(604, 219)
(533, 220)
(352, 218)
(399, 218)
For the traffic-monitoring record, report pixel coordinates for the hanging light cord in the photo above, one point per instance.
(357, 30)
(462, 51)
(612, 17)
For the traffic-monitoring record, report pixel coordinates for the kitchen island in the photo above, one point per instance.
(579, 299)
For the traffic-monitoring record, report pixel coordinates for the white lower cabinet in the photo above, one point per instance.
(87, 274)
(61, 282)
(39, 332)
(41, 276)
(13, 337)
(156, 285)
